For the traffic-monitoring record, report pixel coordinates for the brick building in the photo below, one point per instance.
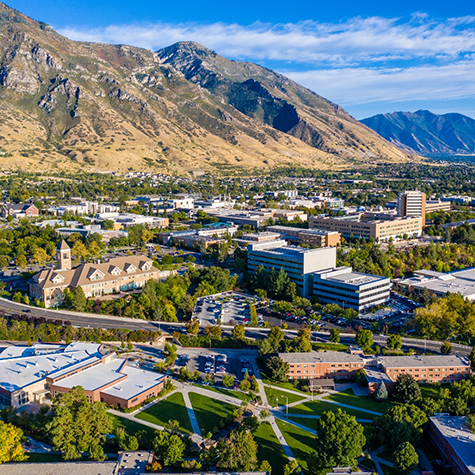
(116, 275)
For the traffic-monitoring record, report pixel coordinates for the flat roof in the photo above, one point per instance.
(63, 468)
(98, 376)
(20, 371)
(458, 435)
(356, 278)
(423, 361)
(320, 357)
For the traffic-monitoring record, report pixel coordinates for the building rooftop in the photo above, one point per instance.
(459, 436)
(26, 367)
(424, 361)
(126, 381)
(320, 357)
(345, 275)
(60, 468)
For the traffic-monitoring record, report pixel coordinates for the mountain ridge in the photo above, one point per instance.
(426, 133)
(98, 106)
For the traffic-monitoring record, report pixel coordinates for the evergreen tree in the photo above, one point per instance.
(382, 392)
(79, 299)
(406, 457)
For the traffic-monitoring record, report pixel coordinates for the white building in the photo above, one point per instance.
(411, 203)
(297, 262)
(351, 289)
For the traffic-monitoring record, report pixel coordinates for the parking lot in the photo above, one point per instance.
(229, 308)
(210, 362)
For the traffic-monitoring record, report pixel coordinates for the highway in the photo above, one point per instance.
(90, 320)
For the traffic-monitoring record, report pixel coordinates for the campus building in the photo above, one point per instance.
(112, 382)
(338, 365)
(351, 289)
(31, 373)
(411, 203)
(438, 205)
(439, 283)
(380, 227)
(27, 210)
(116, 275)
(297, 262)
(455, 442)
(310, 237)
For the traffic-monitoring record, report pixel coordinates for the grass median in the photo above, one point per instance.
(170, 409)
(211, 414)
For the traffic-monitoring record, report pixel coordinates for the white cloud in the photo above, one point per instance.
(350, 86)
(358, 39)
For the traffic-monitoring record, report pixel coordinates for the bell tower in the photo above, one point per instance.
(63, 256)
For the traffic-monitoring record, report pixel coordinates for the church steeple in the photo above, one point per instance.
(63, 256)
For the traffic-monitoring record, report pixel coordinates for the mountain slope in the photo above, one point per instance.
(70, 104)
(426, 133)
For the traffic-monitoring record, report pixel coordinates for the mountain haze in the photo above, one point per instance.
(425, 133)
(95, 106)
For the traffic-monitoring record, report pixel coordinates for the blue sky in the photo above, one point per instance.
(368, 56)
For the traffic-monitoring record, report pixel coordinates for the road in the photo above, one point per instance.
(107, 321)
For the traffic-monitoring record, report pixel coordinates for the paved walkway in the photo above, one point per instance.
(191, 413)
(132, 418)
(296, 424)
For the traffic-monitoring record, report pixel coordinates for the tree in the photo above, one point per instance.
(406, 389)
(126, 441)
(335, 335)
(446, 348)
(364, 339)
(253, 322)
(382, 392)
(239, 332)
(277, 368)
(21, 261)
(291, 467)
(193, 326)
(394, 342)
(79, 299)
(237, 453)
(402, 423)
(276, 334)
(10, 443)
(340, 439)
(168, 447)
(40, 256)
(228, 380)
(406, 457)
(78, 426)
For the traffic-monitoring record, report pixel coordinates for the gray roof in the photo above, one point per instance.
(455, 431)
(61, 468)
(423, 361)
(321, 357)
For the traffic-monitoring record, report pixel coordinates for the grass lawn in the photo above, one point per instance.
(228, 392)
(130, 426)
(432, 390)
(278, 398)
(330, 346)
(389, 470)
(310, 423)
(363, 402)
(210, 412)
(316, 408)
(387, 454)
(300, 442)
(290, 386)
(171, 408)
(269, 448)
(53, 458)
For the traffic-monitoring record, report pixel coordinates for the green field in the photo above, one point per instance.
(310, 423)
(228, 392)
(130, 426)
(364, 402)
(170, 409)
(269, 448)
(278, 398)
(316, 408)
(329, 346)
(300, 442)
(210, 412)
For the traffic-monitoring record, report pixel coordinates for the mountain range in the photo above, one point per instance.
(79, 105)
(426, 133)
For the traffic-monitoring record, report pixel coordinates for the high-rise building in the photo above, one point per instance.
(412, 203)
